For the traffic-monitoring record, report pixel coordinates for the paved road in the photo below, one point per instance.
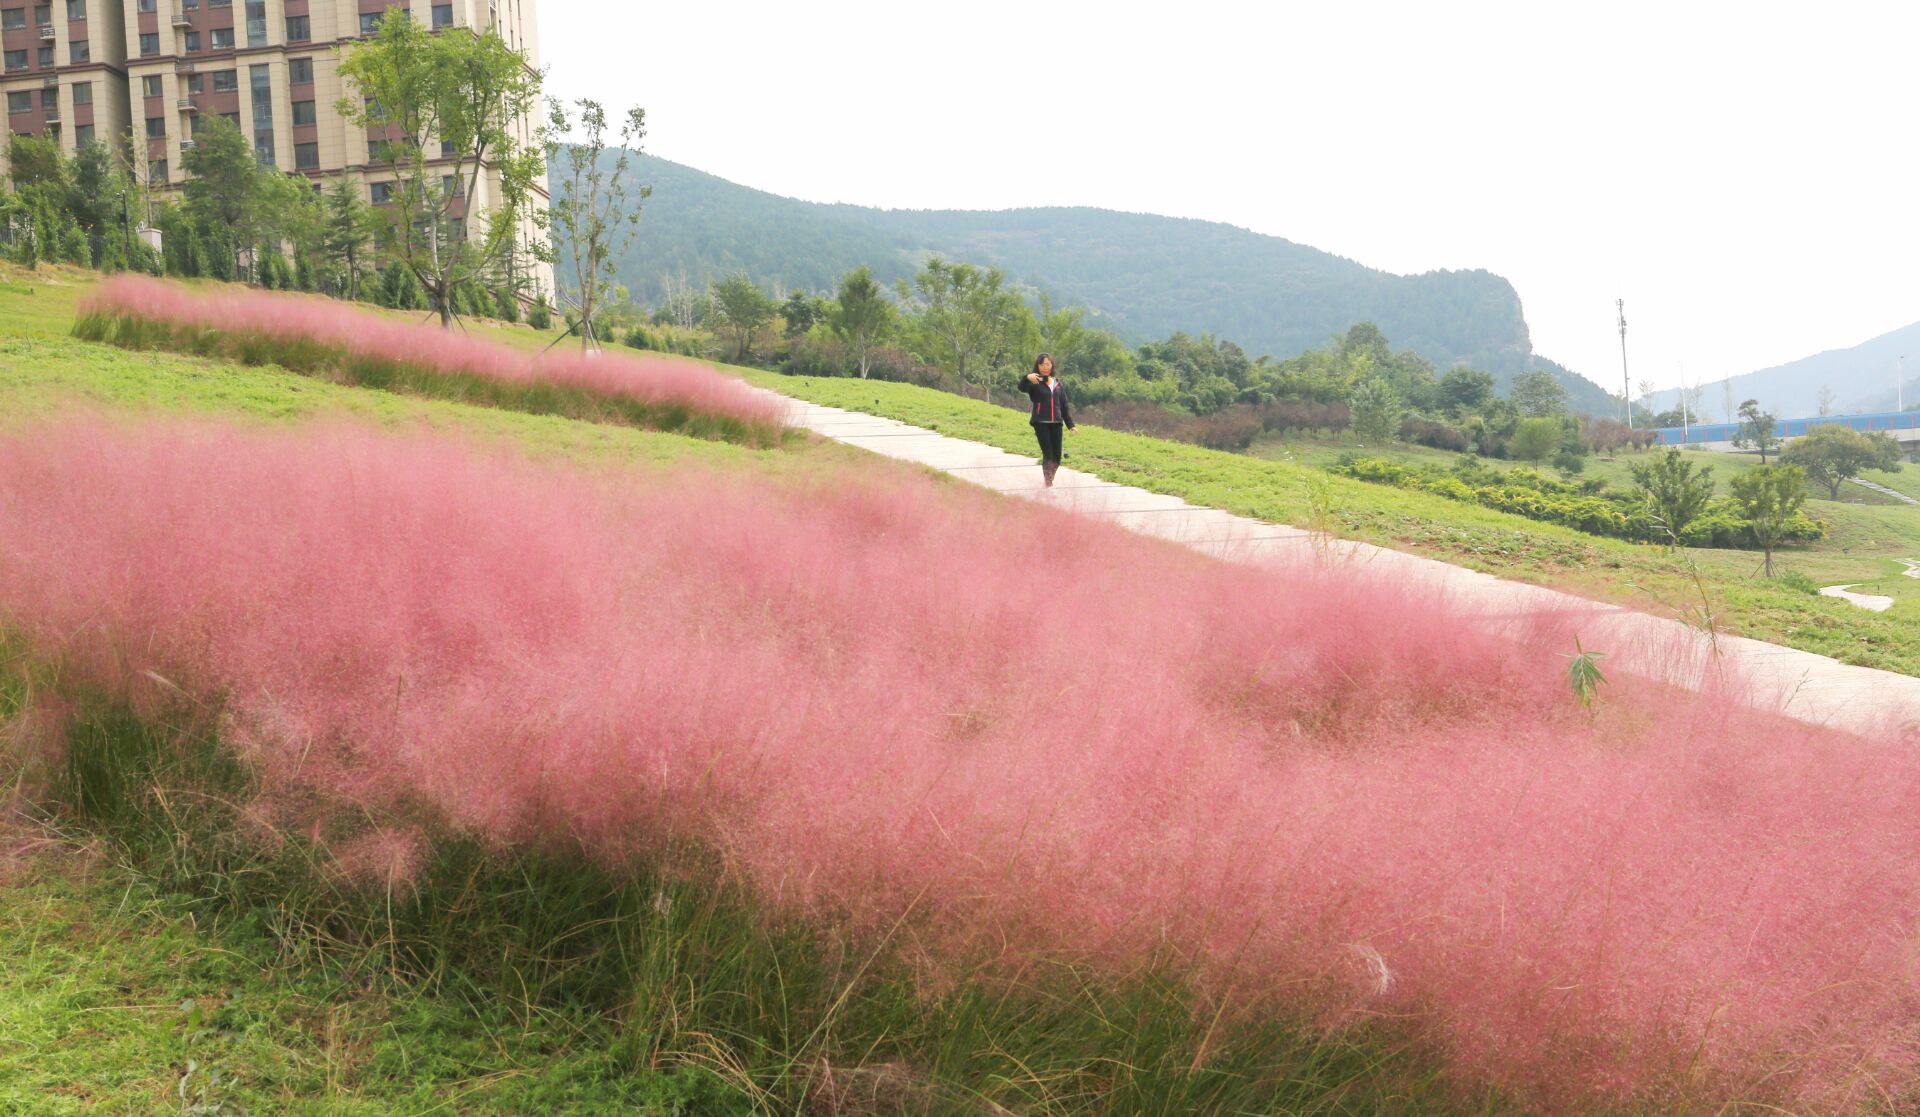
(1806, 686)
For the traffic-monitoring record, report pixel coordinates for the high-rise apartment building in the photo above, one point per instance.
(65, 69)
(156, 70)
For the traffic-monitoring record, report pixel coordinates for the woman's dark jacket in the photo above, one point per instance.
(1049, 406)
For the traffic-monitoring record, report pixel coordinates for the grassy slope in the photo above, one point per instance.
(109, 993)
(1868, 538)
(97, 968)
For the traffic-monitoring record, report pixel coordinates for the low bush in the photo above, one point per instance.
(1588, 506)
(1312, 796)
(318, 335)
(1426, 432)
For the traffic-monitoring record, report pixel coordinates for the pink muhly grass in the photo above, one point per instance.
(879, 697)
(668, 392)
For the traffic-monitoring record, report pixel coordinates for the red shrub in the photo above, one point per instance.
(1335, 794)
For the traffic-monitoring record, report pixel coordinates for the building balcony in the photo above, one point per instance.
(187, 145)
(180, 20)
(185, 104)
(46, 33)
(53, 118)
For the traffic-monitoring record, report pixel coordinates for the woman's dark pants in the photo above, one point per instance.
(1049, 435)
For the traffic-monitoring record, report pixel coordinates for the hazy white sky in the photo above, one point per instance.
(1744, 174)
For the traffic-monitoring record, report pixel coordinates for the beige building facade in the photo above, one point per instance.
(157, 70)
(65, 69)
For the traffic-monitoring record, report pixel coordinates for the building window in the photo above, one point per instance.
(442, 15)
(196, 124)
(150, 86)
(370, 22)
(261, 79)
(193, 42)
(16, 60)
(50, 102)
(380, 192)
(76, 9)
(256, 23)
(222, 38)
(83, 93)
(303, 113)
(299, 29)
(82, 135)
(219, 3)
(226, 81)
(46, 58)
(196, 84)
(156, 127)
(19, 102)
(43, 15)
(299, 71)
(78, 51)
(150, 43)
(157, 171)
(13, 19)
(306, 157)
(146, 5)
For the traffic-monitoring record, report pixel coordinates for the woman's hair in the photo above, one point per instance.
(1042, 357)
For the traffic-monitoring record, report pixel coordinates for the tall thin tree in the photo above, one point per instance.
(595, 209)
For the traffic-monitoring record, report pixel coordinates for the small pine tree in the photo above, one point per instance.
(507, 307)
(541, 316)
(303, 274)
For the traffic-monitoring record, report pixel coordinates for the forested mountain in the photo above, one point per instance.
(1860, 379)
(1139, 275)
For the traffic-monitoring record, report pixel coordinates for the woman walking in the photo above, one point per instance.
(1052, 413)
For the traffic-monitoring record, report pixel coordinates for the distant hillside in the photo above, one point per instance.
(1140, 275)
(1861, 379)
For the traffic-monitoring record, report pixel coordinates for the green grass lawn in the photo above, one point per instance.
(1868, 537)
(113, 1000)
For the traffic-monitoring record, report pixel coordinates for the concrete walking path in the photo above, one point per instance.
(1810, 687)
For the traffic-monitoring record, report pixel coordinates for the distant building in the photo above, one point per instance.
(92, 70)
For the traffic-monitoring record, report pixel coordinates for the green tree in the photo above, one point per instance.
(1674, 492)
(1768, 498)
(1756, 430)
(801, 312)
(448, 107)
(862, 315)
(1465, 391)
(346, 231)
(1538, 395)
(37, 161)
(1832, 455)
(965, 316)
(222, 190)
(1536, 439)
(746, 308)
(595, 208)
(1377, 411)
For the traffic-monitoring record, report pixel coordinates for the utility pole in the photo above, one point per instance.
(1686, 419)
(1626, 385)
